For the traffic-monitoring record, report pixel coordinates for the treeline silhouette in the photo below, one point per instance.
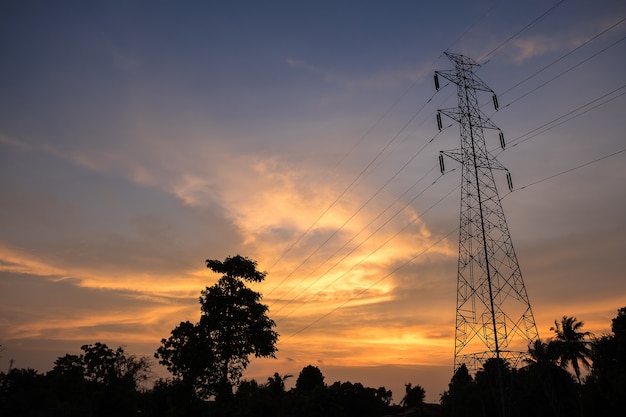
(106, 382)
(574, 373)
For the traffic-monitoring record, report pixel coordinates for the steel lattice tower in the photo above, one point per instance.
(493, 314)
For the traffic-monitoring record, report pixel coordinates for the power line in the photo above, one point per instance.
(489, 10)
(483, 59)
(367, 132)
(562, 57)
(520, 188)
(358, 294)
(365, 172)
(568, 171)
(340, 196)
(444, 237)
(380, 189)
(379, 247)
(359, 245)
(516, 141)
(565, 71)
(371, 162)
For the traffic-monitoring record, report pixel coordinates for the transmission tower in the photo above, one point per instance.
(493, 314)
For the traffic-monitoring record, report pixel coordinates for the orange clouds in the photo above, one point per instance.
(19, 261)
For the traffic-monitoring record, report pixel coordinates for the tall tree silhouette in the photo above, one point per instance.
(211, 355)
(571, 344)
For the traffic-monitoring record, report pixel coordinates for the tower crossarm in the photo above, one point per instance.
(489, 163)
(459, 77)
(479, 119)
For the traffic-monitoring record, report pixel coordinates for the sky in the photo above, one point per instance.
(140, 138)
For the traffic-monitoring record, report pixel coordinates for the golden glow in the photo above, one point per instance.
(337, 296)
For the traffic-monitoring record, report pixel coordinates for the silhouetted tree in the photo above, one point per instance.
(310, 397)
(276, 384)
(606, 384)
(495, 381)
(355, 400)
(462, 397)
(113, 367)
(252, 399)
(385, 395)
(544, 388)
(413, 396)
(211, 355)
(187, 354)
(571, 344)
(541, 354)
(169, 398)
(99, 382)
(22, 393)
(68, 386)
(268, 399)
(310, 377)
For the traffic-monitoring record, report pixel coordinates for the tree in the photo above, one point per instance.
(355, 400)
(261, 400)
(22, 393)
(570, 344)
(113, 367)
(414, 396)
(310, 377)
(541, 354)
(545, 386)
(310, 396)
(461, 390)
(276, 384)
(101, 381)
(618, 324)
(606, 384)
(495, 381)
(187, 355)
(211, 355)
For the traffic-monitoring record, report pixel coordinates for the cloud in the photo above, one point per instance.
(524, 49)
(528, 46)
(15, 261)
(103, 314)
(15, 143)
(351, 84)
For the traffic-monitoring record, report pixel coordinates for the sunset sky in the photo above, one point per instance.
(139, 138)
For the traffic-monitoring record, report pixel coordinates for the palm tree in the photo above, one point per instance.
(571, 344)
(276, 384)
(545, 373)
(541, 354)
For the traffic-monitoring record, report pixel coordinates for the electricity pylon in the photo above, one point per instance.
(493, 314)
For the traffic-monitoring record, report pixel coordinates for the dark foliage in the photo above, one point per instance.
(605, 388)
(413, 396)
(310, 378)
(99, 382)
(498, 389)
